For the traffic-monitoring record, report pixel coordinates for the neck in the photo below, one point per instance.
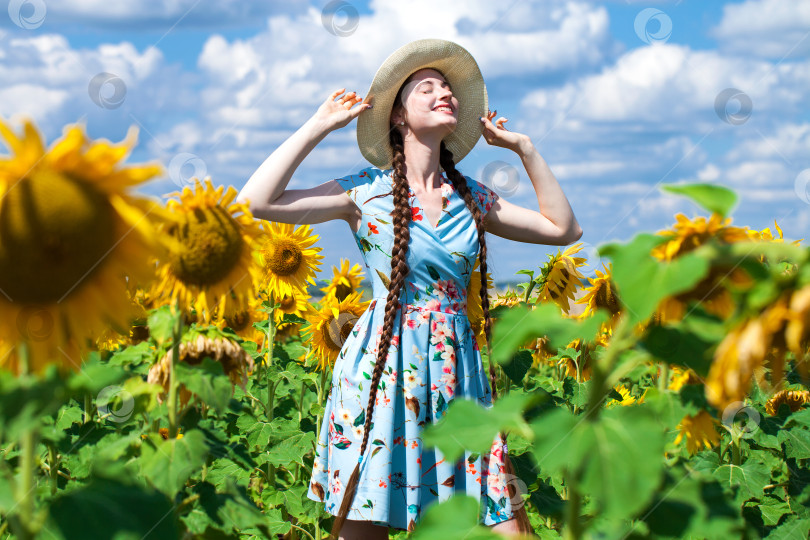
(422, 162)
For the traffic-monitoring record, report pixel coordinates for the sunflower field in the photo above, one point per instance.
(164, 369)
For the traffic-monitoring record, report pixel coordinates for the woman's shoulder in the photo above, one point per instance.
(483, 194)
(365, 178)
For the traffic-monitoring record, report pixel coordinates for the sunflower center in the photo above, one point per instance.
(284, 257)
(55, 233)
(287, 304)
(211, 246)
(336, 332)
(238, 321)
(342, 291)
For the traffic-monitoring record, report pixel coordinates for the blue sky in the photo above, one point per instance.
(617, 96)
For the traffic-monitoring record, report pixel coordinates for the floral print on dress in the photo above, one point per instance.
(433, 359)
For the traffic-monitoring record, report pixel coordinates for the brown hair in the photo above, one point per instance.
(401, 218)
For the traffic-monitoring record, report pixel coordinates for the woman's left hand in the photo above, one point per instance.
(497, 135)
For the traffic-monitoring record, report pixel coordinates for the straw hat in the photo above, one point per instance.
(461, 71)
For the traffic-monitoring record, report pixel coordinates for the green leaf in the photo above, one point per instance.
(793, 528)
(291, 450)
(161, 323)
(134, 355)
(752, 477)
(796, 441)
(168, 464)
(676, 344)
(295, 501)
(106, 508)
(516, 369)
(469, 426)
(223, 469)
(620, 455)
(711, 197)
(232, 512)
(691, 506)
(642, 281)
(434, 274)
(772, 510)
(208, 381)
(457, 518)
(519, 324)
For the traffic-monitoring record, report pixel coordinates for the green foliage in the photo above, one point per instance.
(712, 197)
(104, 467)
(642, 281)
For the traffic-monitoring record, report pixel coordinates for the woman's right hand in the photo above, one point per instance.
(336, 114)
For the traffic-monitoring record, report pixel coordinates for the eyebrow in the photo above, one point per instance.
(431, 83)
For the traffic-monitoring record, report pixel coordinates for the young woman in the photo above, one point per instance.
(420, 224)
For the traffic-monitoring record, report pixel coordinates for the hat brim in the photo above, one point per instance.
(459, 69)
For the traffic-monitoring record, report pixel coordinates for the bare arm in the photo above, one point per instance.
(266, 190)
(555, 224)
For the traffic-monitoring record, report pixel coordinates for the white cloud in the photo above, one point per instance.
(765, 28)
(788, 142)
(161, 14)
(667, 86)
(45, 78)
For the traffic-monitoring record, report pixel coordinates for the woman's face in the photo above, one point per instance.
(429, 103)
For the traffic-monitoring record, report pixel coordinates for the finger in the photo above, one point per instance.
(336, 94)
(353, 101)
(357, 110)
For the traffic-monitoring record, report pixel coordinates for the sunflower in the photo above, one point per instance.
(601, 294)
(699, 431)
(542, 353)
(345, 280)
(561, 277)
(110, 339)
(765, 235)
(330, 326)
(236, 362)
(745, 349)
(682, 377)
(687, 235)
(627, 398)
(296, 304)
(475, 311)
(288, 258)
(508, 298)
(210, 265)
(71, 238)
(241, 322)
(794, 399)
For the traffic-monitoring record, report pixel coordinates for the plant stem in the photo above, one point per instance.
(663, 378)
(172, 406)
(271, 330)
(572, 529)
(302, 530)
(603, 366)
(735, 448)
(24, 495)
(301, 403)
(54, 467)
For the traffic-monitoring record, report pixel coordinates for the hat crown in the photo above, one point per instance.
(459, 69)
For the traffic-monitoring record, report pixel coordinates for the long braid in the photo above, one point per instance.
(401, 217)
(461, 187)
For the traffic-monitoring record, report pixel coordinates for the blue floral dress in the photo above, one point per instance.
(433, 359)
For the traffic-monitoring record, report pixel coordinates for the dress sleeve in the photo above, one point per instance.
(484, 196)
(355, 186)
